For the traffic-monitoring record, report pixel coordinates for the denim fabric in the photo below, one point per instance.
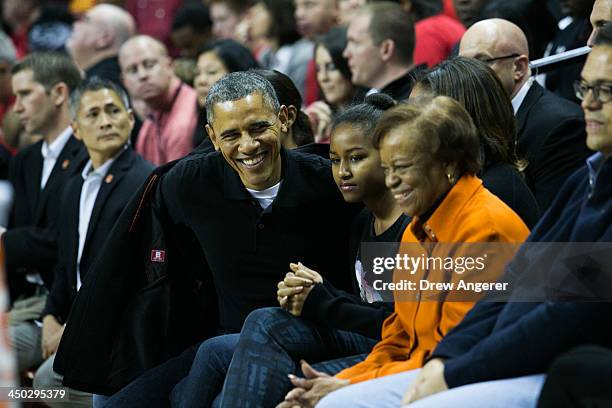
(388, 391)
(205, 379)
(152, 389)
(271, 344)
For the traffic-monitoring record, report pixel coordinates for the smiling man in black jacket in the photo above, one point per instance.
(252, 208)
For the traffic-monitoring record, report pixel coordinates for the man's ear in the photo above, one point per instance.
(292, 113)
(59, 93)
(211, 134)
(75, 131)
(105, 40)
(387, 49)
(131, 119)
(169, 63)
(283, 117)
(521, 68)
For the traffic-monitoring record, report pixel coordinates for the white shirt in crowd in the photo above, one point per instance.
(50, 153)
(518, 99)
(89, 191)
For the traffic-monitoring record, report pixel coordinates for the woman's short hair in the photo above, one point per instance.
(442, 126)
(235, 56)
(476, 86)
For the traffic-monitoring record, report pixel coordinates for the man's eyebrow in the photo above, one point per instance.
(600, 81)
(480, 55)
(261, 123)
(228, 132)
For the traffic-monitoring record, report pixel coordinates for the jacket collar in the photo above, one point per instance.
(113, 176)
(534, 94)
(400, 88)
(448, 212)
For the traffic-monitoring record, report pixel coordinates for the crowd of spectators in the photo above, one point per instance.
(191, 191)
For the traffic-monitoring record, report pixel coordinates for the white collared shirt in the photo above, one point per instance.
(89, 192)
(50, 153)
(518, 99)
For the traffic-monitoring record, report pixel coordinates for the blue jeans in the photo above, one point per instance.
(246, 370)
(271, 344)
(388, 391)
(205, 379)
(152, 389)
(250, 369)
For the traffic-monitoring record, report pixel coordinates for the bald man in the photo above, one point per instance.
(96, 39)
(601, 14)
(148, 75)
(551, 131)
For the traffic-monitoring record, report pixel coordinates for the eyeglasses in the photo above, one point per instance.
(601, 93)
(491, 60)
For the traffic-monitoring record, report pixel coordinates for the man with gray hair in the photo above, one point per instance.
(253, 208)
(96, 38)
(93, 198)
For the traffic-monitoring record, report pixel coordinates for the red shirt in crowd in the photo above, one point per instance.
(435, 38)
(167, 135)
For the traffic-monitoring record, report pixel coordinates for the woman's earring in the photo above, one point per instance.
(451, 179)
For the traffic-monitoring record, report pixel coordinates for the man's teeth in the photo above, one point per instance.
(255, 160)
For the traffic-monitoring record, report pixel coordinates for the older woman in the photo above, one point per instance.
(431, 156)
(478, 89)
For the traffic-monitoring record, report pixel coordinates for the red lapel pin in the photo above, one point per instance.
(108, 179)
(65, 164)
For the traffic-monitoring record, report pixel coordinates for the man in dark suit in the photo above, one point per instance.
(42, 84)
(551, 131)
(92, 200)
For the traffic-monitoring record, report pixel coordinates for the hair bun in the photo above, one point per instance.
(380, 101)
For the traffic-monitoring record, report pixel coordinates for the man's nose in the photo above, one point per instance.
(248, 145)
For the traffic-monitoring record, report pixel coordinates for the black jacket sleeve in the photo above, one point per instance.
(59, 298)
(563, 152)
(519, 349)
(329, 306)
(336, 308)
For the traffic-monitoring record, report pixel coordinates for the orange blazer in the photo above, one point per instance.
(468, 214)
